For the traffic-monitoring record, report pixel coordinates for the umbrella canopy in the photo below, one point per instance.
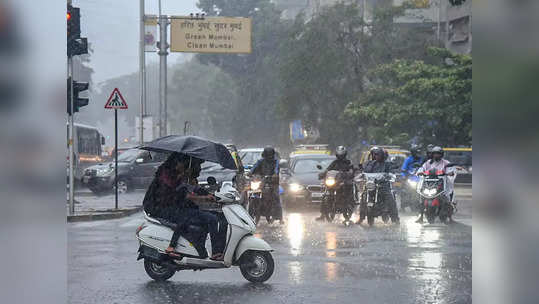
(193, 146)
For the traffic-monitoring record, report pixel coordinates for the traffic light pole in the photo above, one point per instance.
(71, 126)
(163, 46)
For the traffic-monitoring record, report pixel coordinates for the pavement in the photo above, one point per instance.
(314, 263)
(89, 207)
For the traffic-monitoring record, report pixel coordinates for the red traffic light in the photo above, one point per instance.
(68, 16)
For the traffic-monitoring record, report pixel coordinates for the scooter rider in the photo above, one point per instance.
(269, 166)
(340, 164)
(379, 165)
(438, 163)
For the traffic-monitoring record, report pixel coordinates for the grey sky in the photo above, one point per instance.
(112, 28)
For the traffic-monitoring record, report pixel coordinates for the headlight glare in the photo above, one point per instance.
(294, 187)
(255, 185)
(330, 181)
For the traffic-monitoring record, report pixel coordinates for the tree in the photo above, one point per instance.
(256, 74)
(327, 59)
(412, 99)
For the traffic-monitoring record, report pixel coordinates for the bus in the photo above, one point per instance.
(87, 148)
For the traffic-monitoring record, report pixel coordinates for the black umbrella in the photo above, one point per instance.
(193, 146)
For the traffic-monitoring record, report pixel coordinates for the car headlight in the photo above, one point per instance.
(255, 185)
(412, 183)
(295, 187)
(330, 181)
(104, 172)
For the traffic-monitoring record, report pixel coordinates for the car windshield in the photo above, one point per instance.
(309, 165)
(250, 158)
(129, 155)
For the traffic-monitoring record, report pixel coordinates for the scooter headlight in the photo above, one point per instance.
(370, 186)
(330, 181)
(294, 187)
(255, 185)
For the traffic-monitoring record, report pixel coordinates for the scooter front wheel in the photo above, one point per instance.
(257, 266)
(157, 271)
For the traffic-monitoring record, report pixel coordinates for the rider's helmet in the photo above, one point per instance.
(268, 153)
(341, 152)
(415, 150)
(438, 150)
(377, 150)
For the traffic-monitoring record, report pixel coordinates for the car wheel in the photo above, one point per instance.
(123, 185)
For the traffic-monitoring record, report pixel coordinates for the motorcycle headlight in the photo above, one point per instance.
(294, 187)
(330, 181)
(255, 185)
(104, 172)
(429, 191)
(412, 183)
(370, 186)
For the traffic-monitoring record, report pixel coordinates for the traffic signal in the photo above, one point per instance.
(75, 44)
(78, 102)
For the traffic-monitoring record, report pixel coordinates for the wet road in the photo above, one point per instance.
(314, 263)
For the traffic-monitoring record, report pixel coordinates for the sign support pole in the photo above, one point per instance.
(142, 72)
(116, 158)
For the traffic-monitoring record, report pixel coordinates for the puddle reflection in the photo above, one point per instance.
(295, 231)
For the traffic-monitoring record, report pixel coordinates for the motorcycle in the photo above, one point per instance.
(251, 254)
(261, 196)
(408, 193)
(334, 198)
(371, 196)
(434, 192)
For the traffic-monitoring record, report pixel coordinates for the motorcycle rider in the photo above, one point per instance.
(408, 167)
(269, 166)
(379, 165)
(341, 164)
(438, 163)
(428, 152)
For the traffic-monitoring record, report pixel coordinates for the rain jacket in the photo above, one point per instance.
(408, 165)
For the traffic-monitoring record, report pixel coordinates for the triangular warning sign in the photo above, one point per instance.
(116, 100)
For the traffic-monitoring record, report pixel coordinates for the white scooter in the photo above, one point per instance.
(251, 254)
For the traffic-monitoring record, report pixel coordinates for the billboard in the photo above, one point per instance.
(210, 35)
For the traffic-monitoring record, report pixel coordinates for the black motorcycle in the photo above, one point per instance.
(261, 198)
(336, 200)
(372, 197)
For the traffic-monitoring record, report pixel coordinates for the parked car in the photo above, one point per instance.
(136, 169)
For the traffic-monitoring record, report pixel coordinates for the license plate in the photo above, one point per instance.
(317, 195)
(370, 204)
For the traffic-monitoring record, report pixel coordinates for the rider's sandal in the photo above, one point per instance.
(217, 257)
(173, 254)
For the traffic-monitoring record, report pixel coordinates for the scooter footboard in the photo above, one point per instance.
(250, 242)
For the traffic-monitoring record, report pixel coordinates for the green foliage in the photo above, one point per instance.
(413, 98)
(326, 60)
(255, 74)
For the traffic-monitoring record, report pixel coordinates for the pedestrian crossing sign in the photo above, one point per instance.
(116, 100)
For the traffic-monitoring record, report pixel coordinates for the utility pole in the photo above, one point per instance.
(163, 46)
(142, 72)
(71, 126)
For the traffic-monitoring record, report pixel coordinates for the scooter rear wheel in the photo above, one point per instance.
(158, 272)
(257, 266)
